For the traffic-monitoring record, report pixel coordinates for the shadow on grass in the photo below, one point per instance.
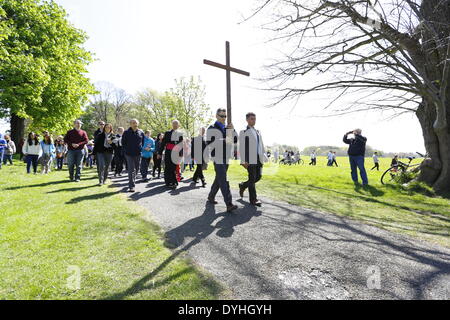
(92, 197)
(436, 215)
(198, 228)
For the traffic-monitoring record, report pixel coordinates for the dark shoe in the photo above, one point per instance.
(131, 190)
(203, 184)
(257, 203)
(231, 208)
(212, 201)
(241, 190)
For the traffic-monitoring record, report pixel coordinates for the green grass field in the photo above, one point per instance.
(332, 190)
(48, 226)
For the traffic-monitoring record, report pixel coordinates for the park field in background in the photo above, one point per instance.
(50, 228)
(331, 190)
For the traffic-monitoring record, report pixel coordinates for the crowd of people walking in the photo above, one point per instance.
(138, 153)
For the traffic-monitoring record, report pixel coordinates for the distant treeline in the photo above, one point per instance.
(340, 151)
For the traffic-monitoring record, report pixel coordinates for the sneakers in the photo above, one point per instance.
(257, 203)
(231, 208)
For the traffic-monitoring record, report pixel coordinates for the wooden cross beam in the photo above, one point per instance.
(228, 69)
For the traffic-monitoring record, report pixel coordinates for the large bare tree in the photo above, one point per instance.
(386, 54)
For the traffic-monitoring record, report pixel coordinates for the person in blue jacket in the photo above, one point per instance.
(3, 146)
(48, 153)
(148, 148)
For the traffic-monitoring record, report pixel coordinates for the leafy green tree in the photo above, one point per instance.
(185, 102)
(192, 111)
(42, 66)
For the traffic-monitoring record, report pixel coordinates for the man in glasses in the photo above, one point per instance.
(222, 145)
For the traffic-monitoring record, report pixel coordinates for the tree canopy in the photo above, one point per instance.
(42, 64)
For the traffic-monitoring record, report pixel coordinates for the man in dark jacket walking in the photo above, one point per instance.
(222, 147)
(132, 142)
(198, 147)
(356, 153)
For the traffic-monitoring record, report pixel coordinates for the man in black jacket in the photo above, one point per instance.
(198, 147)
(132, 142)
(173, 148)
(222, 146)
(118, 152)
(356, 153)
(253, 157)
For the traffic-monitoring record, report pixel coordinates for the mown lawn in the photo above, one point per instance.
(332, 190)
(51, 228)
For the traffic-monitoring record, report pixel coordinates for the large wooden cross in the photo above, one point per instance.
(228, 69)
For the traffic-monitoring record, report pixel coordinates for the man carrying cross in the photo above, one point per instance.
(222, 148)
(223, 138)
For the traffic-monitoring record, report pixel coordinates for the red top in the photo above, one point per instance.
(76, 136)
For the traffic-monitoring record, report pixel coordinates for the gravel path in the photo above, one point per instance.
(281, 251)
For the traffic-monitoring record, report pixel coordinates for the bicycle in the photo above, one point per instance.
(401, 172)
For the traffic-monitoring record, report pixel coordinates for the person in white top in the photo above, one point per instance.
(376, 161)
(10, 150)
(313, 159)
(330, 158)
(32, 151)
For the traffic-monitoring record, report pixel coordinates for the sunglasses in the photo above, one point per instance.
(222, 116)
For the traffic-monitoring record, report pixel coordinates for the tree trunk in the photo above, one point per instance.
(434, 112)
(435, 171)
(17, 128)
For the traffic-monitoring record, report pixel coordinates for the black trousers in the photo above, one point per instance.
(377, 166)
(198, 174)
(119, 160)
(170, 177)
(156, 164)
(254, 175)
(313, 162)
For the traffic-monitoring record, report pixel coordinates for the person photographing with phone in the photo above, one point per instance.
(356, 153)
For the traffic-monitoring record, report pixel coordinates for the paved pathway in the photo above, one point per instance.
(283, 251)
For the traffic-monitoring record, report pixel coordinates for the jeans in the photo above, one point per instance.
(46, 162)
(254, 175)
(59, 163)
(357, 162)
(7, 158)
(145, 164)
(220, 182)
(103, 162)
(75, 160)
(32, 160)
(2, 154)
(133, 163)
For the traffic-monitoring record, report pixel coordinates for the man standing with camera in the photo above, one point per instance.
(356, 153)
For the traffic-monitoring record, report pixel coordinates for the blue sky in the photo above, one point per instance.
(148, 43)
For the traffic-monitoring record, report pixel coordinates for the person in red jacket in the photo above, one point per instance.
(75, 139)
